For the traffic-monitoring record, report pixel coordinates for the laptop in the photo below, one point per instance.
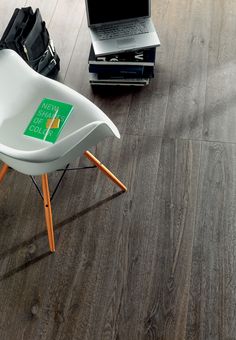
(120, 25)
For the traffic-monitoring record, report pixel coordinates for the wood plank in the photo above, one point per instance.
(219, 117)
(163, 306)
(185, 109)
(147, 111)
(6, 10)
(145, 119)
(212, 292)
(64, 28)
(79, 80)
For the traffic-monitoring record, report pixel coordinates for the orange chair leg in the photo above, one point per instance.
(48, 212)
(3, 171)
(107, 172)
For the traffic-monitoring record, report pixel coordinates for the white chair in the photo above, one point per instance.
(21, 92)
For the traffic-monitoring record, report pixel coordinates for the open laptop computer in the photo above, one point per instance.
(120, 25)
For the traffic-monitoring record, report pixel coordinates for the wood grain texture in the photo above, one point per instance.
(219, 117)
(6, 10)
(64, 28)
(148, 107)
(159, 261)
(212, 299)
(174, 219)
(186, 102)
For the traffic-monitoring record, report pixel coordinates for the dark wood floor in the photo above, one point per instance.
(158, 262)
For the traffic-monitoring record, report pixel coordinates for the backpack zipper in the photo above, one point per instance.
(26, 52)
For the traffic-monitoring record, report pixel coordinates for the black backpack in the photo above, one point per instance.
(26, 33)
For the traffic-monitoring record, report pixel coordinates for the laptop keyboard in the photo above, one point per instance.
(113, 31)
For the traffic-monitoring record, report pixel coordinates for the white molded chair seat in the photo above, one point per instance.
(21, 92)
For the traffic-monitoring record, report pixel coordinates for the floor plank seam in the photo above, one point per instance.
(72, 52)
(178, 138)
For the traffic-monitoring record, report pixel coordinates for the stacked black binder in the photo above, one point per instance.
(127, 68)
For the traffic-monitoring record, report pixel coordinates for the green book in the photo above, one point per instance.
(48, 120)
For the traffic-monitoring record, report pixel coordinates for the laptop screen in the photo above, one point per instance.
(101, 11)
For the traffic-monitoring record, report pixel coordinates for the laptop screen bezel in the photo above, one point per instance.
(127, 19)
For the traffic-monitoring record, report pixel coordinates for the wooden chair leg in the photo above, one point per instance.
(3, 171)
(48, 212)
(107, 172)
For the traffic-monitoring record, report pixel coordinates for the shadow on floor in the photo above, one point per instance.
(24, 266)
(58, 226)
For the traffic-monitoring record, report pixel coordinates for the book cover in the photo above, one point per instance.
(139, 57)
(48, 120)
(123, 70)
(95, 80)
